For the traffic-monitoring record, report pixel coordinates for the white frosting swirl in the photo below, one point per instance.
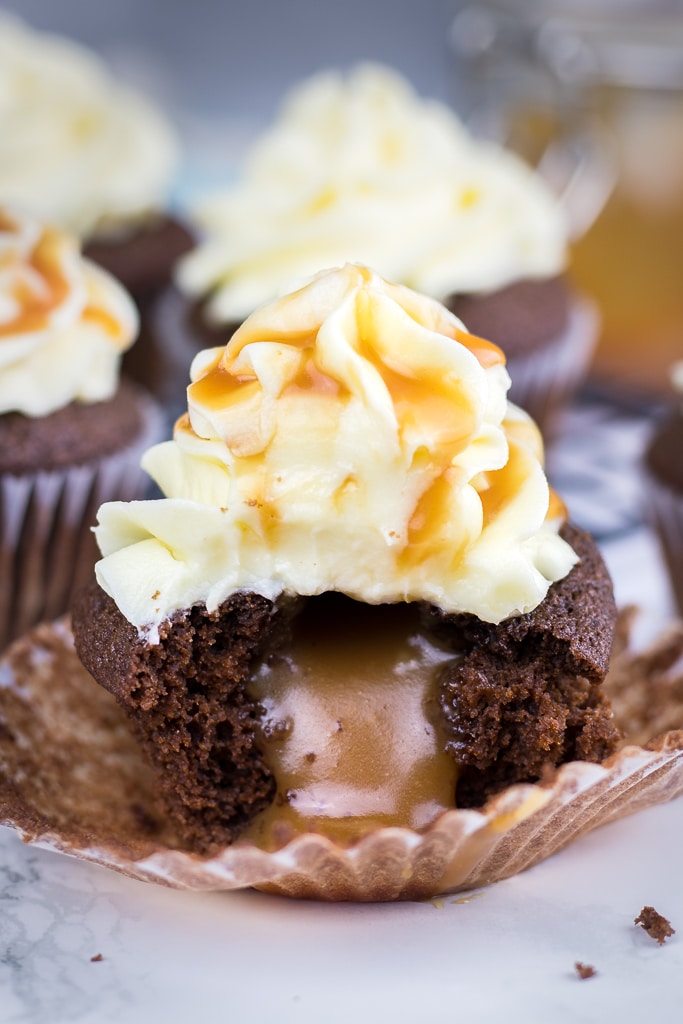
(360, 168)
(76, 147)
(353, 437)
(64, 322)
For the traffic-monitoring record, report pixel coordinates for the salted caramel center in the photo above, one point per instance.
(350, 727)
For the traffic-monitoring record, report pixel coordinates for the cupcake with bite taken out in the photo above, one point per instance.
(71, 433)
(358, 167)
(358, 604)
(82, 151)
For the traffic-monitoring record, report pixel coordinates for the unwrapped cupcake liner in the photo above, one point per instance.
(664, 510)
(545, 380)
(72, 779)
(47, 549)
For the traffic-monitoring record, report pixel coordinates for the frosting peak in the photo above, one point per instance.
(64, 322)
(352, 436)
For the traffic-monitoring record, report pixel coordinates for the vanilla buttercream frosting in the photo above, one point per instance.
(359, 167)
(77, 147)
(64, 322)
(353, 437)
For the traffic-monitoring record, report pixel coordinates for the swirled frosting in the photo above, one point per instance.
(360, 168)
(64, 323)
(352, 436)
(76, 147)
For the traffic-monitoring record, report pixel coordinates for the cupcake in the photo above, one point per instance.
(71, 435)
(358, 604)
(358, 167)
(664, 487)
(80, 150)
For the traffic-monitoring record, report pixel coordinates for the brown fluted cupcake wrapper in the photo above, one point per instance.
(73, 780)
(545, 380)
(664, 509)
(47, 549)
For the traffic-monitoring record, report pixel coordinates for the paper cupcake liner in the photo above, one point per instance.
(73, 780)
(664, 510)
(47, 549)
(545, 380)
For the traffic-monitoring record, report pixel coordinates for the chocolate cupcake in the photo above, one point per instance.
(359, 604)
(71, 434)
(80, 150)
(358, 167)
(663, 468)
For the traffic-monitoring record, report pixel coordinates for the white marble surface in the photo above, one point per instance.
(506, 953)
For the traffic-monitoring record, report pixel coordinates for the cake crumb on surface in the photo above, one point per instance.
(585, 970)
(656, 926)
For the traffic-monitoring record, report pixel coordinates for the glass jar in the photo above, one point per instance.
(593, 95)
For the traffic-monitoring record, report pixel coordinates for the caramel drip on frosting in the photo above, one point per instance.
(351, 728)
(42, 288)
(485, 351)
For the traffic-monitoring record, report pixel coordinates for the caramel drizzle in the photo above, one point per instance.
(46, 265)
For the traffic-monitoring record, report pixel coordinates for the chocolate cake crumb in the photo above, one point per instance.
(656, 926)
(585, 970)
(98, 958)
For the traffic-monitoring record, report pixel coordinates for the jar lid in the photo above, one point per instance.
(627, 43)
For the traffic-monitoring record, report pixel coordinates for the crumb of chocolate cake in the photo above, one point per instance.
(584, 970)
(97, 959)
(656, 926)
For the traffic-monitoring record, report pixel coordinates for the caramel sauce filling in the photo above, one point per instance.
(351, 725)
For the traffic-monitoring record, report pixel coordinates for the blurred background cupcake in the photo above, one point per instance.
(664, 485)
(81, 150)
(71, 434)
(358, 167)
